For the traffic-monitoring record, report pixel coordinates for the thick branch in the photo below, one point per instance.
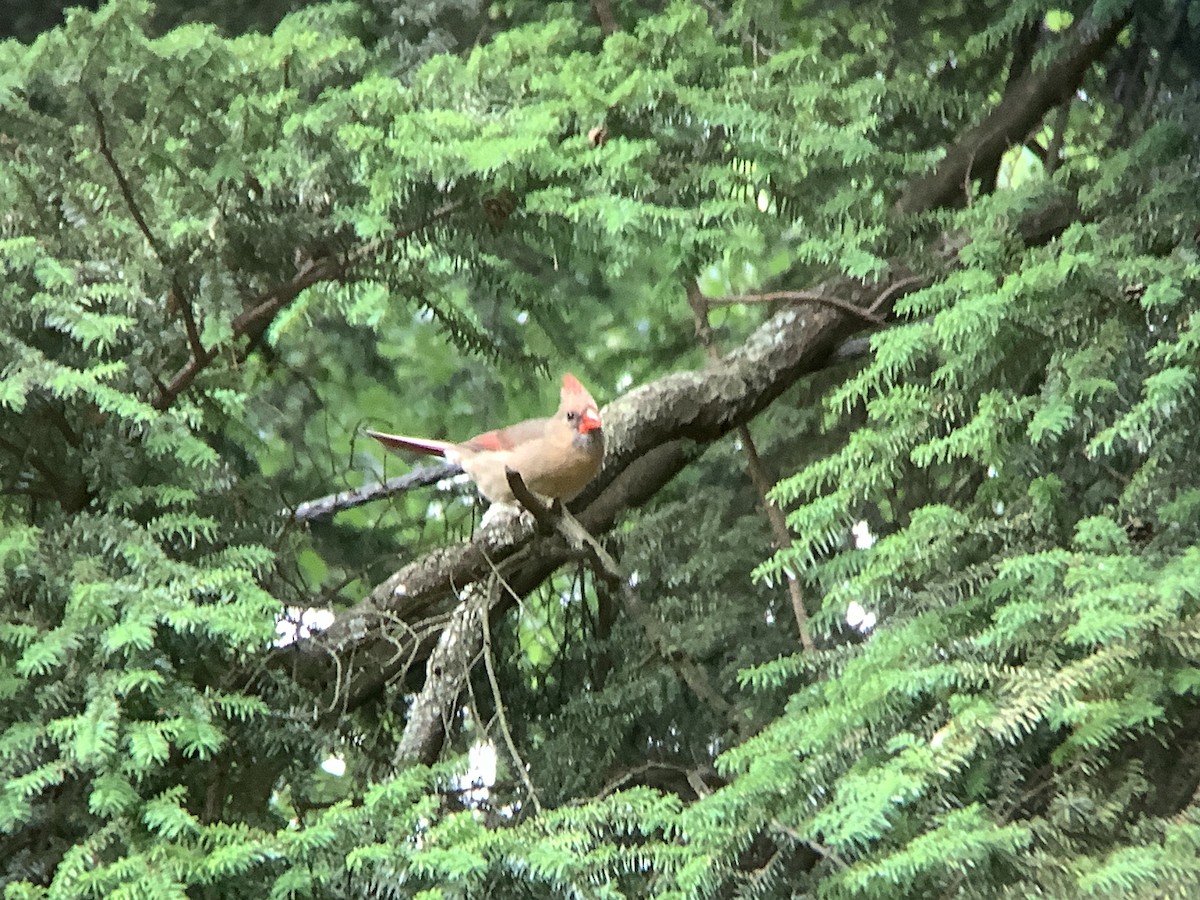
(446, 675)
(1027, 99)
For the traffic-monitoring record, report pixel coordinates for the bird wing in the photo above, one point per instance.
(510, 437)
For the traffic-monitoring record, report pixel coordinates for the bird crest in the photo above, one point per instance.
(572, 389)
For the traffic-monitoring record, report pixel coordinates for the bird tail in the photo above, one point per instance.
(400, 442)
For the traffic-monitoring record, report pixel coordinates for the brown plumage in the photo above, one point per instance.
(555, 457)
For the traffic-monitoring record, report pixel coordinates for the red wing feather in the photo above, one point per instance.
(510, 437)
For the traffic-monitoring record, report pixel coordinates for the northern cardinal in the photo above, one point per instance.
(555, 457)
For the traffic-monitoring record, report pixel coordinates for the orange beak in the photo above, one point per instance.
(589, 421)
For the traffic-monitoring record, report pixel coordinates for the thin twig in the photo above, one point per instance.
(754, 467)
(253, 321)
(122, 182)
(802, 296)
(1059, 136)
(178, 297)
(783, 537)
(616, 783)
(489, 665)
(894, 288)
(189, 319)
(496, 573)
(560, 520)
(816, 846)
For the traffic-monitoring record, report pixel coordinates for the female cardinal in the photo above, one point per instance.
(555, 457)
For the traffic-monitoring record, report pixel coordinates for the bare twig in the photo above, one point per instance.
(489, 664)
(122, 182)
(895, 288)
(803, 296)
(331, 504)
(544, 515)
(189, 319)
(754, 467)
(779, 529)
(816, 846)
(616, 783)
(606, 567)
(252, 322)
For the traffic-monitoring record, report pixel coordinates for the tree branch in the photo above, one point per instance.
(177, 298)
(489, 665)
(180, 300)
(754, 466)
(1027, 99)
(804, 296)
(254, 321)
(605, 16)
(251, 323)
(446, 674)
(332, 504)
(651, 434)
(122, 182)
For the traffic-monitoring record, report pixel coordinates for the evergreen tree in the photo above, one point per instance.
(891, 585)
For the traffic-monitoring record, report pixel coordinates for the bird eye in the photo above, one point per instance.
(572, 416)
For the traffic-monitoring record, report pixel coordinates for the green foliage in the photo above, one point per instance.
(1021, 444)
(1038, 617)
